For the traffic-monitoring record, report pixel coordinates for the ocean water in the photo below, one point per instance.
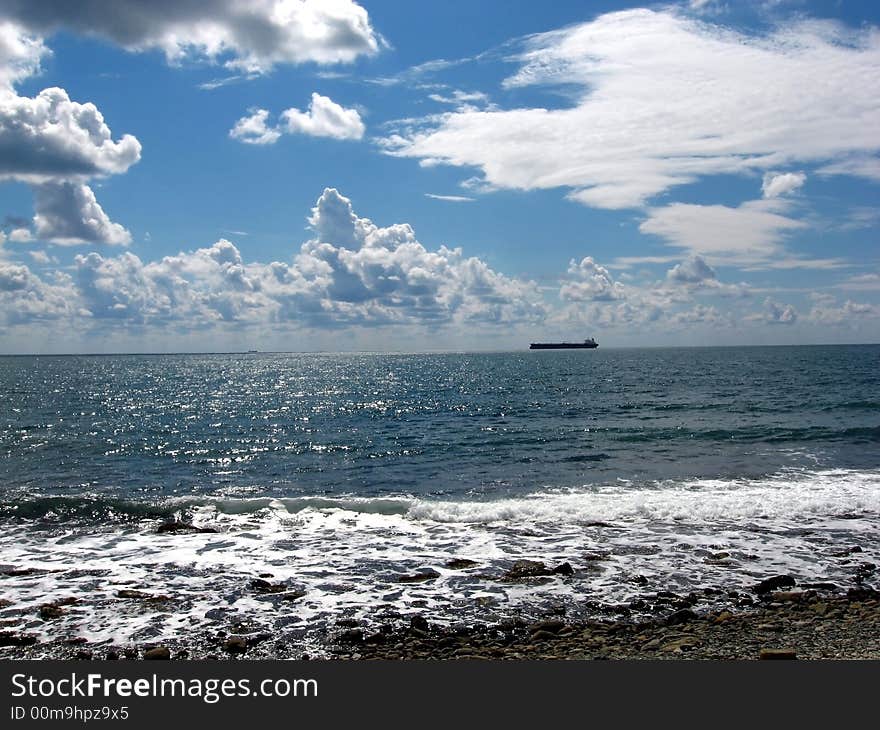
(647, 470)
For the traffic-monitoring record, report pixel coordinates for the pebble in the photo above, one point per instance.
(159, 652)
(788, 596)
(777, 654)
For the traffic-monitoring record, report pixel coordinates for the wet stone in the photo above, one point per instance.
(552, 626)
(260, 585)
(49, 611)
(683, 616)
(351, 636)
(460, 564)
(175, 526)
(236, 645)
(774, 583)
(7, 638)
(419, 577)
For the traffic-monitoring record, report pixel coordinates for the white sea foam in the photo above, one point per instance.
(347, 553)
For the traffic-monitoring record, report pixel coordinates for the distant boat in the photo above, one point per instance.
(252, 352)
(589, 344)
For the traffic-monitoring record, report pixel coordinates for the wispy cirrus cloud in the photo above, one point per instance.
(665, 100)
(450, 198)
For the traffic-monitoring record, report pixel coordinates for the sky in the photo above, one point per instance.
(298, 175)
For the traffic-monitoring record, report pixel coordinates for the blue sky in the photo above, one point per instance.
(332, 175)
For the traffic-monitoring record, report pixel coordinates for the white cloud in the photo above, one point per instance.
(693, 271)
(860, 217)
(251, 36)
(460, 98)
(781, 183)
(49, 138)
(751, 232)
(253, 129)
(828, 311)
(20, 235)
(701, 314)
(862, 282)
(695, 274)
(664, 100)
(25, 297)
(777, 313)
(450, 198)
(20, 55)
(323, 118)
(859, 165)
(68, 213)
(588, 281)
(352, 273)
(627, 262)
(56, 144)
(41, 257)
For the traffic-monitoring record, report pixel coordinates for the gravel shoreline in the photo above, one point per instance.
(782, 624)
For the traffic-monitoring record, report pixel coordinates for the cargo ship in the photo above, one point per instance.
(588, 344)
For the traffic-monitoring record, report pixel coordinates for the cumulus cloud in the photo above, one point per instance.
(693, 271)
(20, 55)
(56, 145)
(364, 273)
(323, 118)
(251, 36)
(777, 313)
(352, 272)
(695, 274)
(588, 281)
(25, 297)
(253, 129)
(700, 314)
(664, 99)
(20, 235)
(68, 213)
(827, 310)
(781, 183)
(49, 138)
(197, 288)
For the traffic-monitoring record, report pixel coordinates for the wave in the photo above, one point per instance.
(783, 496)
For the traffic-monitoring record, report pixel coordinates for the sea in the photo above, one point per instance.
(319, 481)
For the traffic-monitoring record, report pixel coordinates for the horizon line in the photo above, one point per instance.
(419, 352)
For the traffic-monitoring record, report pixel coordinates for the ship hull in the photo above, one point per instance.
(563, 346)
